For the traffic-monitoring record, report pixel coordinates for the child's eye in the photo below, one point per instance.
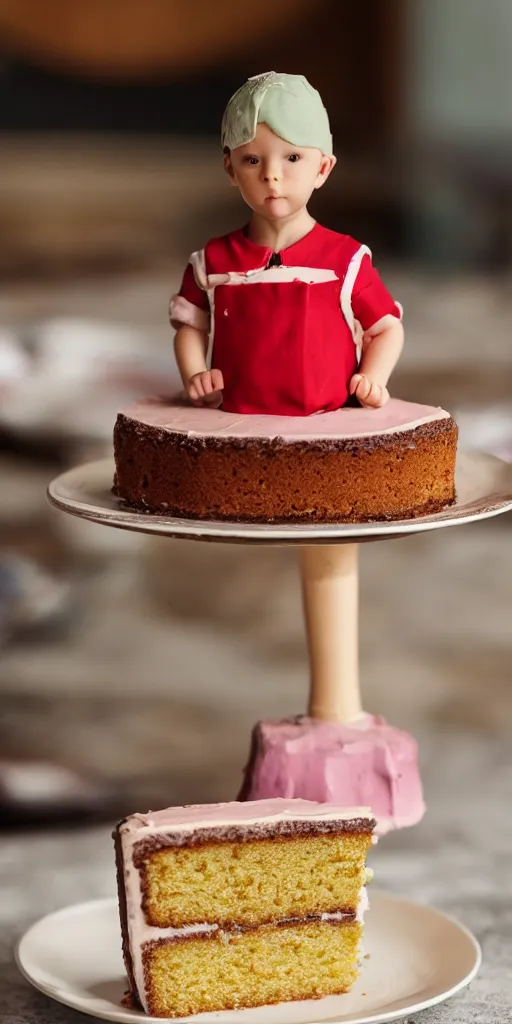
(293, 158)
(252, 160)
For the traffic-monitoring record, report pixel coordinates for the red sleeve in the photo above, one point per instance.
(190, 305)
(191, 291)
(370, 298)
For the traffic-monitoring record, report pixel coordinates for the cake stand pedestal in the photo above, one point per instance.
(330, 585)
(328, 560)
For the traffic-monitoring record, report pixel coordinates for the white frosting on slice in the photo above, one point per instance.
(176, 415)
(363, 904)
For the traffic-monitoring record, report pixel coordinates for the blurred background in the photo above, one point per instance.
(132, 669)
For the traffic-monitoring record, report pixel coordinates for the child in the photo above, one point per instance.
(283, 316)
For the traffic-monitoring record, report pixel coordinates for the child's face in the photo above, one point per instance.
(275, 178)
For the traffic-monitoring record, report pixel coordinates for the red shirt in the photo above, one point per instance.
(285, 337)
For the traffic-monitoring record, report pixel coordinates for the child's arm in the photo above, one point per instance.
(380, 318)
(190, 346)
(189, 313)
(382, 345)
(202, 386)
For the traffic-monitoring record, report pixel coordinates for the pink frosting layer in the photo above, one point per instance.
(195, 816)
(367, 762)
(178, 416)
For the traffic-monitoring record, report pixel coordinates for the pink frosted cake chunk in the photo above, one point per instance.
(367, 762)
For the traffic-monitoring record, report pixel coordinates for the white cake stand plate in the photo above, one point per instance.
(417, 957)
(484, 489)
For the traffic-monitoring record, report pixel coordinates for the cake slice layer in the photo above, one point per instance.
(243, 969)
(253, 882)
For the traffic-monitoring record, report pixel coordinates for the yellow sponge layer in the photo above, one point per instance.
(254, 882)
(266, 965)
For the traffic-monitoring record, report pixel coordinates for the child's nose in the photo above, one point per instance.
(271, 172)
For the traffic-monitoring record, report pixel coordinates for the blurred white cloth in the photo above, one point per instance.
(486, 430)
(14, 362)
(70, 376)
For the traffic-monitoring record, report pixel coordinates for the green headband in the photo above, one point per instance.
(288, 104)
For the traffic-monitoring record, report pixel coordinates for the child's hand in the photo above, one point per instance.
(205, 388)
(370, 394)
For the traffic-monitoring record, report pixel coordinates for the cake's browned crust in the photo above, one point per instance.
(280, 830)
(133, 994)
(380, 477)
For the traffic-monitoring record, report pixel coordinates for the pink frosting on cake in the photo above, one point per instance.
(193, 816)
(365, 763)
(177, 415)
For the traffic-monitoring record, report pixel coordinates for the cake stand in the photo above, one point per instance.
(329, 574)
(328, 558)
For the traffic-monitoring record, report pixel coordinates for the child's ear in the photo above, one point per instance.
(228, 167)
(326, 165)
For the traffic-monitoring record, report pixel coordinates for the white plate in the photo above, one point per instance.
(418, 957)
(484, 489)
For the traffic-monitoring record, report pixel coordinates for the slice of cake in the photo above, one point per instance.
(350, 465)
(234, 905)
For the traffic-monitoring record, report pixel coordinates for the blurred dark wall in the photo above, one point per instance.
(350, 51)
(417, 93)
(37, 99)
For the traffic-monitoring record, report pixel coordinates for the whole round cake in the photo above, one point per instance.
(350, 465)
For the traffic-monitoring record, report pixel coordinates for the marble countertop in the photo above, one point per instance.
(458, 859)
